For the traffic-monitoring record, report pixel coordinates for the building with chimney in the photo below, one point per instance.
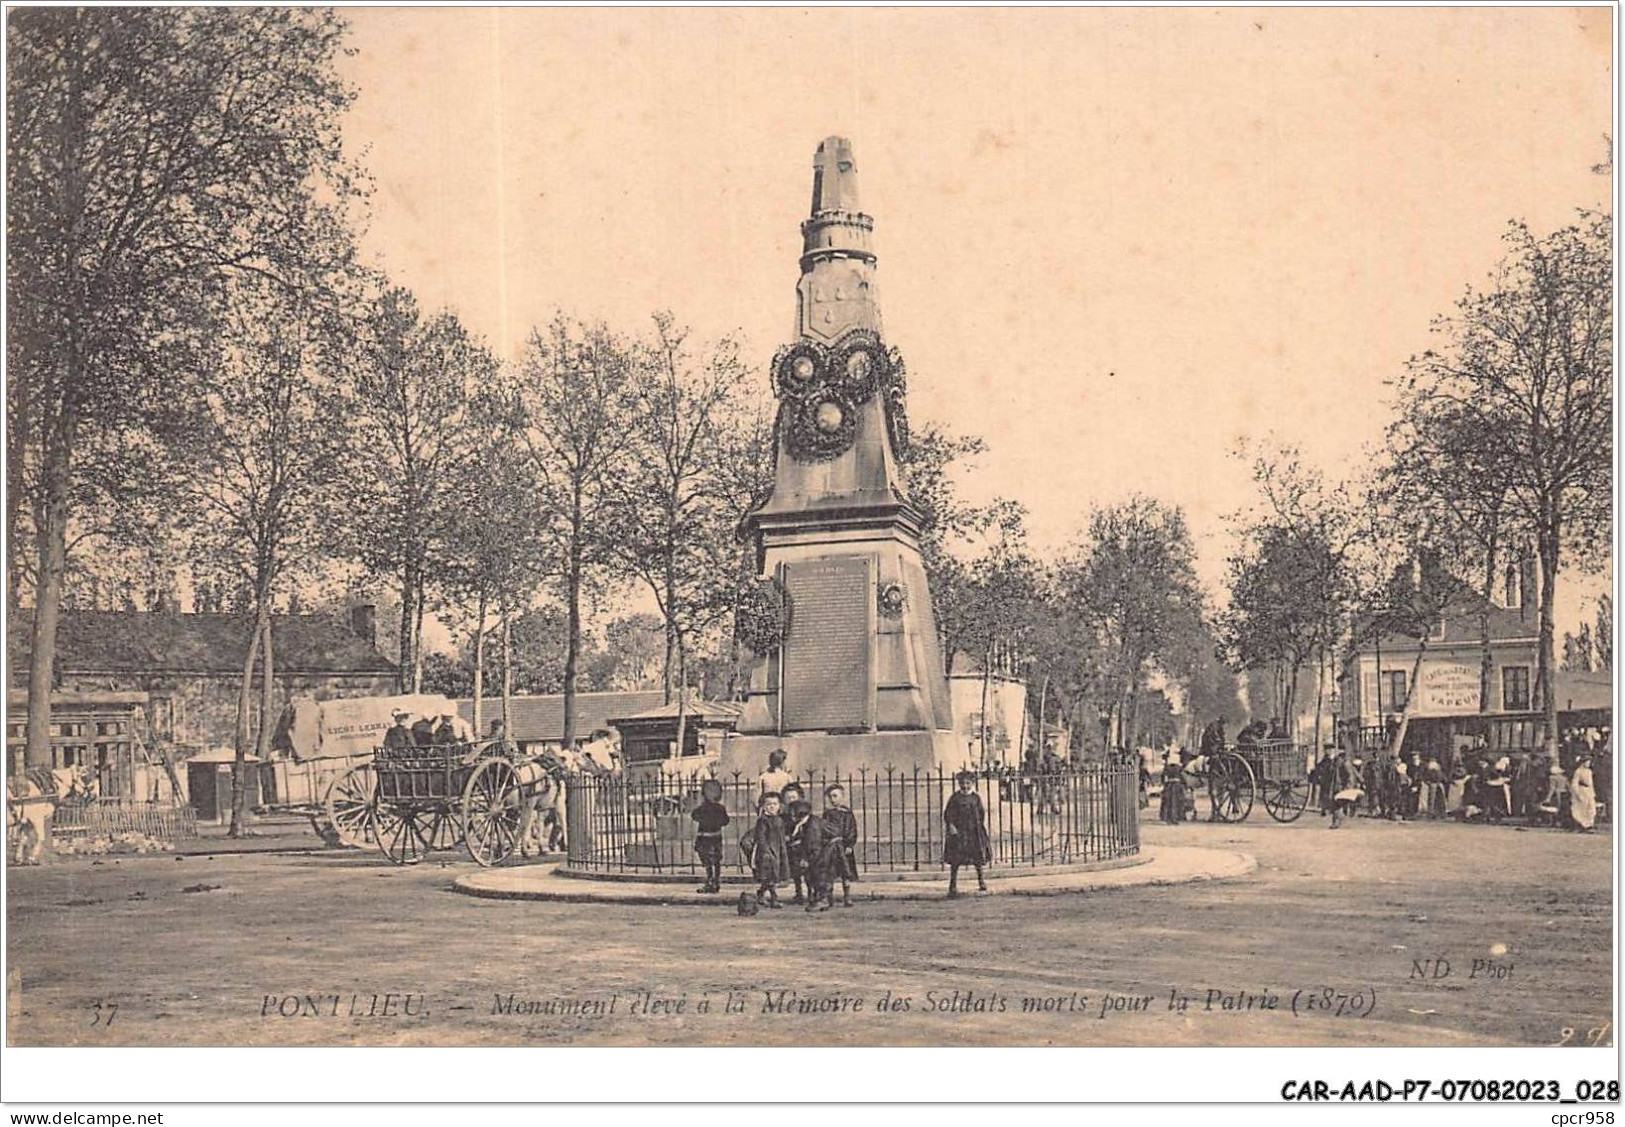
(1473, 678)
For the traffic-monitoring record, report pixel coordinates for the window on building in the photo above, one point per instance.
(1436, 631)
(1514, 588)
(1393, 690)
(1515, 688)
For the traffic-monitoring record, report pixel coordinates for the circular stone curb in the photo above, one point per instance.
(1165, 865)
(743, 881)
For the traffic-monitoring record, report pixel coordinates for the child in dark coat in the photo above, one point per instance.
(709, 818)
(788, 797)
(965, 841)
(807, 841)
(840, 850)
(769, 854)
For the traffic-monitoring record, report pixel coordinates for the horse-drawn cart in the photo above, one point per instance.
(434, 798)
(1278, 772)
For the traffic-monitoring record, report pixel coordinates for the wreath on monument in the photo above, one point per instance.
(861, 365)
(800, 369)
(896, 393)
(820, 427)
(762, 618)
(821, 388)
(892, 598)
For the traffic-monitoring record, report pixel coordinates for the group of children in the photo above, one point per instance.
(788, 843)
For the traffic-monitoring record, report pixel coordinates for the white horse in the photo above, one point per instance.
(31, 799)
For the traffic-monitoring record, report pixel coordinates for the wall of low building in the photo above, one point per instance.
(1447, 681)
(1006, 705)
(200, 710)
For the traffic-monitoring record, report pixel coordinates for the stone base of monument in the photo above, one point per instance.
(844, 753)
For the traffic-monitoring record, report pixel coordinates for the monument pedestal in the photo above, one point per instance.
(857, 677)
(842, 753)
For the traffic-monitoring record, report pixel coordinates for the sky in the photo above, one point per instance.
(1116, 243)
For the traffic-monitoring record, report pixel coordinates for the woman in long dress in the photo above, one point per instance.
(1583, 795)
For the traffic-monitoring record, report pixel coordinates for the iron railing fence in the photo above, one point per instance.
(110, 817)
(1073, 816)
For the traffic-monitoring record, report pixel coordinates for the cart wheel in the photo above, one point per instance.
(352, 805)
(403, 836)
(440, 829)
(493, 810)
(386, 822)
(1230, 788)
(1286, 800)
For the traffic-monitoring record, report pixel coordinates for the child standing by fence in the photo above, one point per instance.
(768, 854)
(710, 816)
(842, 827)
(965, 841)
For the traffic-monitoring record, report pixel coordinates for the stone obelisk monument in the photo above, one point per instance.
(856, 677)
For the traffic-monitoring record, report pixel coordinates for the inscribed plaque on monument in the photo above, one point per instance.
(826, 655)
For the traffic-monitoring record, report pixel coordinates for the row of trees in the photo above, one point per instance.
(208, 390)
(1500, 453)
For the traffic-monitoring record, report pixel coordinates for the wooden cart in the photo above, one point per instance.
(1278, 772)
(437, 798)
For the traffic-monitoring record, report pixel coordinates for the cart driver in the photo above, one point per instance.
(399, 736)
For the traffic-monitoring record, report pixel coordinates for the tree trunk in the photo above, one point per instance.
(1021, 731)
(572, 645)
(52, 537)
(682, 694)
(1288, 719)
(987, 678)
(479, 669)
(239, 770)
(417, 637)
(1486, 657)
(507, 674)
(1043, 703)
(1320, 699)
(403, 671)
(262, 745)
(674, 643)
(17, 447)
(1548, 595)
(1410, 699)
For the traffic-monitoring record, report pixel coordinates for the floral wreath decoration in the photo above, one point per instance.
(892, 598)
(762, 617)
(821, 388)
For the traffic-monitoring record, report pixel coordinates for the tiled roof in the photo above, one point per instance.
(697, 710)
(93, 641)
(1461, 624)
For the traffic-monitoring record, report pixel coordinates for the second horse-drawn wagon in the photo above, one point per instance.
(1277, 772)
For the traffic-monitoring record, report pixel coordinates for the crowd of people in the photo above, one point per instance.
(1479, 785)
(1475, 785)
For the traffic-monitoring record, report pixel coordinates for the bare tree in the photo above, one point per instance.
(266, 452)
(493, 561)
(574, 399)
(412, 432)
(675, 512)
(1129, 590)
